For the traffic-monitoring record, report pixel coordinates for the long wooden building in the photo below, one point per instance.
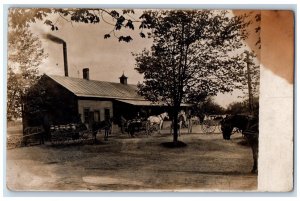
(63, 100)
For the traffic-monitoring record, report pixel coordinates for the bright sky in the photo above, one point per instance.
(107, 59)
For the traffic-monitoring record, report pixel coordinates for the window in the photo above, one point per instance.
(86, 112)
(97, 115)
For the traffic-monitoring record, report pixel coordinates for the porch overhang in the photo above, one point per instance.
(148, 103)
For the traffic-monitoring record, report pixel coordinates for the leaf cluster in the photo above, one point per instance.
(25, 54)
(121, 19)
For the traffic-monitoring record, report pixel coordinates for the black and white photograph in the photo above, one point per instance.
(155, 100)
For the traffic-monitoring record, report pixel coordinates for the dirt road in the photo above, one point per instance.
(135, 164)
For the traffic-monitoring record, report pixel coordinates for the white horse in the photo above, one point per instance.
(158, 120)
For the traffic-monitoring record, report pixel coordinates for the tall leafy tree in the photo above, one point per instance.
(209, 107)
(192, 53)
(25, 54)
(251, 74)
(250, 61)
(242, 107)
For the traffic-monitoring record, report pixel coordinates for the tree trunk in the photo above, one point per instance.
(250, 104)
(175, 124)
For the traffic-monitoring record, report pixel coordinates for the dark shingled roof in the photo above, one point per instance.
(99, 89)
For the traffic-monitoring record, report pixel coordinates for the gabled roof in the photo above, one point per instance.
(126, 93)
(97, 89)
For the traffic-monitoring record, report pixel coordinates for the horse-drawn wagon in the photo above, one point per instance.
(69, 133)
(148, 126)
(211, 123)
(136, 125)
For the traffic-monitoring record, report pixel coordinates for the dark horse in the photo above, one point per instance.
(98, 126)
(249, 127)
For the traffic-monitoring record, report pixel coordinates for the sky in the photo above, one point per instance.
(107, 59)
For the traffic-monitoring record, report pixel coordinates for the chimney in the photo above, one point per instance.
(123, 79)
(86, 74)
(65, 59)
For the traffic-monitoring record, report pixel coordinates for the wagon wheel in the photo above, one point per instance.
(85, 134)
(144, 127)
(208, 127)
(149, 130)
(54, 137)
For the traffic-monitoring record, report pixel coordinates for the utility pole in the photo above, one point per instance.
(250, 104)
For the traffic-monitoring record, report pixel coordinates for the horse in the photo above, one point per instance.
(98, 126)
(248, 125)
(195, 120)
(158, 120)
(181, 121)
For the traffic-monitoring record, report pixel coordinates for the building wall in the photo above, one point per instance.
(48, 102)
(95, 105)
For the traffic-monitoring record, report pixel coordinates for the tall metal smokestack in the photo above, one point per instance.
(61, 41)
(65, 59)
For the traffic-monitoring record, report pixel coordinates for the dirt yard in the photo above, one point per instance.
(135, 164)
